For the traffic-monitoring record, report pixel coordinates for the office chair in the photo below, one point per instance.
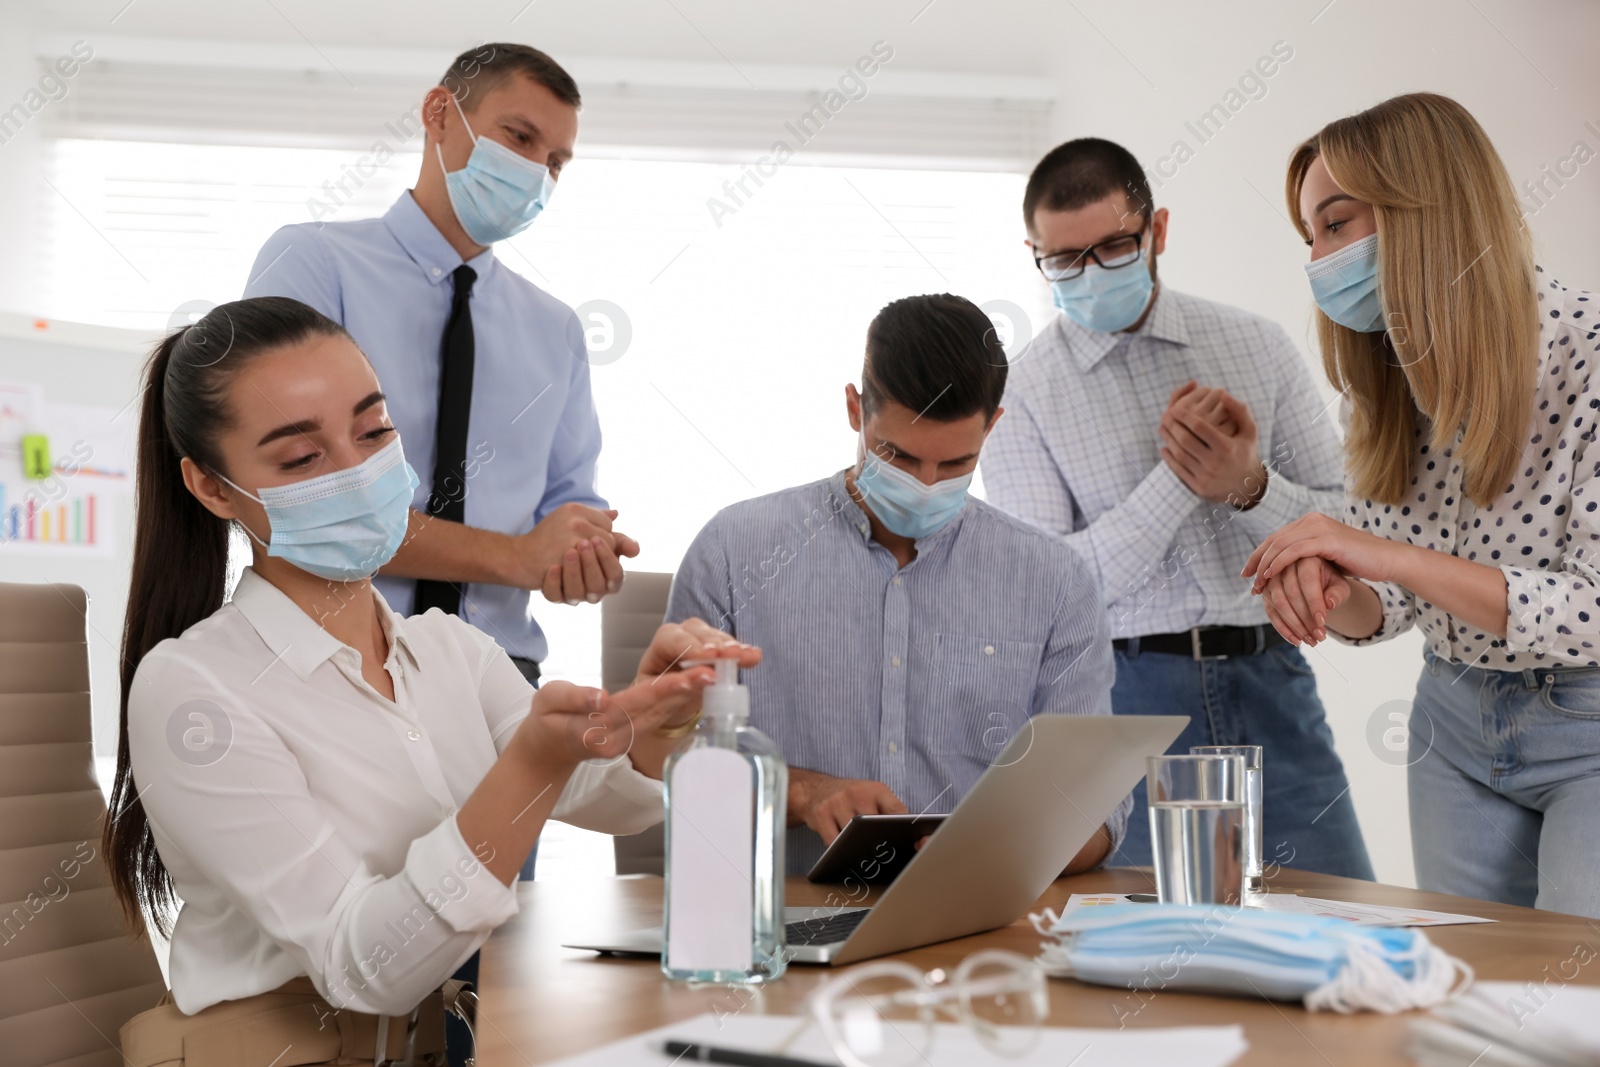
(71, 973)
(628, 620)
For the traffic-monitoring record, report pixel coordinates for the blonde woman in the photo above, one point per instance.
(1474, 502)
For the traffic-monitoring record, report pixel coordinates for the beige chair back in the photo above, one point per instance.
(70, 972)
(628, 620)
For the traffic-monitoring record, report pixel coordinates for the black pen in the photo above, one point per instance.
(695, 1052)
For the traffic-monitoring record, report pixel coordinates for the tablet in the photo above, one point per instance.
(872, 849)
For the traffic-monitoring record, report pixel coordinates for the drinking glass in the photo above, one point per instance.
(1197, 828)
(1254, 882)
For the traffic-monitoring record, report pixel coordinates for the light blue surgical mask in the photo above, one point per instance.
(1106, 300)
(498, 193)
(1345, 286)
(341, 526)
(905, 504)
(1328, 964)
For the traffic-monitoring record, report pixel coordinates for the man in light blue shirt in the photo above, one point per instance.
(485, 374)
(907, 630)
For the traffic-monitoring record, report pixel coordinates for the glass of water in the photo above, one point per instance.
(1197, 828)
(1254, 882)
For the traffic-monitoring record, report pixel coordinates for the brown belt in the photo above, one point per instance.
(291, 1026)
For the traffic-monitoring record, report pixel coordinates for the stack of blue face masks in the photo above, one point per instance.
(1328, 964)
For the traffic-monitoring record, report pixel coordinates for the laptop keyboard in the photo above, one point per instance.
(824, 929)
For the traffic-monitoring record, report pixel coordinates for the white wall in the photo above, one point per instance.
(19, 155)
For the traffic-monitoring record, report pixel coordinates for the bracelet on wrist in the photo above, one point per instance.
(681, 729)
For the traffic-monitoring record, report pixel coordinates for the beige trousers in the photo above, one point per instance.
(291, 1026)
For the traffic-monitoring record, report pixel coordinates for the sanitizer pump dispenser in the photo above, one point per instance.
(726, 794)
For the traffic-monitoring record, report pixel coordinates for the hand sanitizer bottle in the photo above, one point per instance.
(726, 795)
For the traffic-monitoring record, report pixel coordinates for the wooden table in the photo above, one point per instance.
(541, 1002)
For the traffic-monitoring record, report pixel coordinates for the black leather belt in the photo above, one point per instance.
(1205, 642)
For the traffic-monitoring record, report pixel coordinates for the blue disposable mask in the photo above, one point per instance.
(498, 193)
(341, 526)
(1345, 286)
(1327, 964)
(1106, 300)
(905, 504)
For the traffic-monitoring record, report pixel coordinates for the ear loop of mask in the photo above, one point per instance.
(438, 149)
(1369, 980)
(251, 533)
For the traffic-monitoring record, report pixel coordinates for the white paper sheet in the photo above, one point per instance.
(1549, 1021)
(953, 1045)
(1364, 914)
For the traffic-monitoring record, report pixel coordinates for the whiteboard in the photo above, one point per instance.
(87, 370)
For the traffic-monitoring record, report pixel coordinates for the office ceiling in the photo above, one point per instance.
(992, 37)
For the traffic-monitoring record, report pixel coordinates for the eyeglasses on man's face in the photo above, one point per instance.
(1110, 254)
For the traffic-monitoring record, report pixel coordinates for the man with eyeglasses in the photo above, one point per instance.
(1164, 436)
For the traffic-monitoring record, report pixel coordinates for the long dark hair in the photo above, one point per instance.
(180, 549)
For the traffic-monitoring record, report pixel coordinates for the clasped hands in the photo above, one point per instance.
(1302, 573)
(1209, 440)
(572, 556)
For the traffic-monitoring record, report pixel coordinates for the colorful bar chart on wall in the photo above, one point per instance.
(39, 523)
(63, 465)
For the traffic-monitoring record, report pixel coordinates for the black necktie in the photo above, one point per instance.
(448, 499)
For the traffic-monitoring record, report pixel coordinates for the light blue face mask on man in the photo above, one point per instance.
(905, 504)
(1345, 286)
(498, 193)
(341, 526)
(1105, 300)
(1328, 964)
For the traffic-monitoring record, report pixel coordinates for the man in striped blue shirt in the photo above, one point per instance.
(907, 629)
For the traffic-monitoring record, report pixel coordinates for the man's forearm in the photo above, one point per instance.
(1092, 854)
(800, 782)
(450, 551)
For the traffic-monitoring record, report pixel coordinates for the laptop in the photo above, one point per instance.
(1035, 806)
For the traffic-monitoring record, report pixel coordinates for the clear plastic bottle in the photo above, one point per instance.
(726, 794)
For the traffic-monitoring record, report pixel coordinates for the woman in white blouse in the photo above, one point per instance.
(1468, 376)
(334, 793)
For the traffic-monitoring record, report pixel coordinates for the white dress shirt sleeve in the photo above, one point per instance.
(1123, 545)
(607, 796)
(249, 825)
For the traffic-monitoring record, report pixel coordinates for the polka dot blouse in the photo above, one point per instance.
(1543, 532)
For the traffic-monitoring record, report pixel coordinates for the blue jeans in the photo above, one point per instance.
(1270, 699)
(1505, 784)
